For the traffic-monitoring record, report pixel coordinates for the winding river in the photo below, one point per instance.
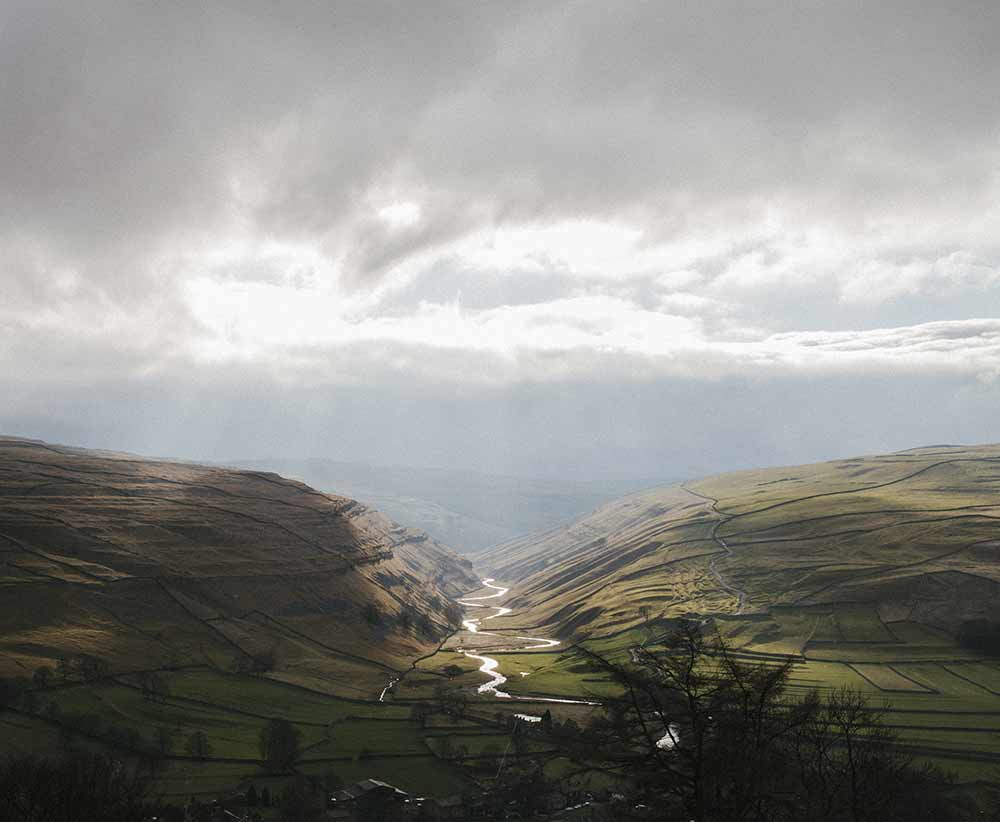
(491, 666)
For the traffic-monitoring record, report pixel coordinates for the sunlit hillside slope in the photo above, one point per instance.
(148, 565)
(807, 554)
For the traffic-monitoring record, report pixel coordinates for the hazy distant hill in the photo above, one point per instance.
(466, 510)
(150, 564)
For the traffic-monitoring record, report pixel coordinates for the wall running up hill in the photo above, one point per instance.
(911, 536)
(148, 564)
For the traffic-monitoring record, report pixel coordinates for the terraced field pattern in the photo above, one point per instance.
(861, 571)
(194, 574)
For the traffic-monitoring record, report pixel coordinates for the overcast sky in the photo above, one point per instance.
(596, 239)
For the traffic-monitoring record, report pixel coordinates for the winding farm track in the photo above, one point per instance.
(725, 517)
(741, 596)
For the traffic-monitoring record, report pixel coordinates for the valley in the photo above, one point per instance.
(499, 412)
(468, 510)
(170, 612)
(178, 609)
(242, 595)
(490, 665)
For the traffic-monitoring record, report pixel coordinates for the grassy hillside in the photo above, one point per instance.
(908, 536)
(148, 564)
(862, 571)
(168, 602)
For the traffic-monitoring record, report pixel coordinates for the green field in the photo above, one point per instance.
(354, 740)
(942, 710)
(859, 572)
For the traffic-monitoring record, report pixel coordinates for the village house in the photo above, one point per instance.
(443, 810)
(372, 800)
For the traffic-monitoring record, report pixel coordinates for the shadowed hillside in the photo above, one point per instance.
(145, 565)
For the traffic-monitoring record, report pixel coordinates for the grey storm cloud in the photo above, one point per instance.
(127, 128)
(828, 167)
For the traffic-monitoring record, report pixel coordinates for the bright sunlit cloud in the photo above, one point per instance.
(403, 214)
(501, 194)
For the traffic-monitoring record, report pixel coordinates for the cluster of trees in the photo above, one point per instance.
(22, 692)
(447, 749)
(82, 668)
(154, 687)
(88, 786)
(704, 736)
(453, 614)
(14, 690)
(279, 745)
(409, 619)
(450, 700)
(256, 663)
(42, 677)
(73, 725)
(279, 741)
(451, 610)
(452, 670)
(79, 668)
(426, 626)
(980, 635)
(520, 790)
(162, 742)
(406, 620)
(301, 799)
(83, 786)
(371, 613)
(197, 745)
(19, 690)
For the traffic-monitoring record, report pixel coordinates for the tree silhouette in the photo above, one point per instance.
(371, 614)
(279, 744)
(197, 744)
(84, 786)
(163, 740)
(42, 676)
(705, 736)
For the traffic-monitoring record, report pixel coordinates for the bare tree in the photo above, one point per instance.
(154, 687)
(371, 613)
(279, 744)
(84, 786)
(701, 732)
(163, 740)
(42, 677)
(197, 744)
(848, 765)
